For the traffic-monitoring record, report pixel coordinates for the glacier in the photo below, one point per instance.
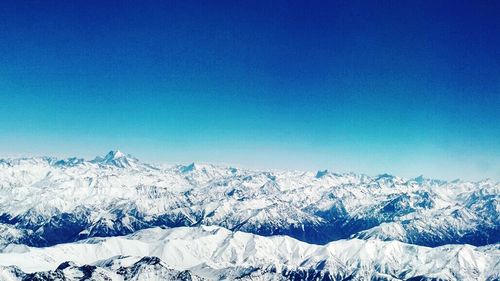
(52, 203)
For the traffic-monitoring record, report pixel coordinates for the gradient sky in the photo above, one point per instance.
(404, 87)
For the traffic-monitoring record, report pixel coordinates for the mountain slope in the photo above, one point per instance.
(216, 253)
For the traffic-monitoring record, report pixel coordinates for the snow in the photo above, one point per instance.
(46, 201)
(36, 190)
(215, 249)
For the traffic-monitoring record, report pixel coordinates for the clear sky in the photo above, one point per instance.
(403, 87)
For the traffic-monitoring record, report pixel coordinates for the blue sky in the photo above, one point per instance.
(363, 86)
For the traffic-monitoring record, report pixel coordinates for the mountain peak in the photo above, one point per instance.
(116, 158)
(70, 162)
(114, 154)
(420, 179)
(320, 173)
(189, 168)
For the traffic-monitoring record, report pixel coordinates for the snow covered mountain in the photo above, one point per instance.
(214, 253)
(45, 201)
(201, 221)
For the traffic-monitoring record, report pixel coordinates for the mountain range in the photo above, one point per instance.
(138, 219)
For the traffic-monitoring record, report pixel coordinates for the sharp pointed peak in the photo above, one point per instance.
(188, 168)
(116, 158)
(115, 154)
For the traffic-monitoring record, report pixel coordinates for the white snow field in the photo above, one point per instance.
(214, 252)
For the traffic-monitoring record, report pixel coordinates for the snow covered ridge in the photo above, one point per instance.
(46, 201)
(215, 253)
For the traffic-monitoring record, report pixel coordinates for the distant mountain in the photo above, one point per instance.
(117, 159)
(45, 201)
(215, 253)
